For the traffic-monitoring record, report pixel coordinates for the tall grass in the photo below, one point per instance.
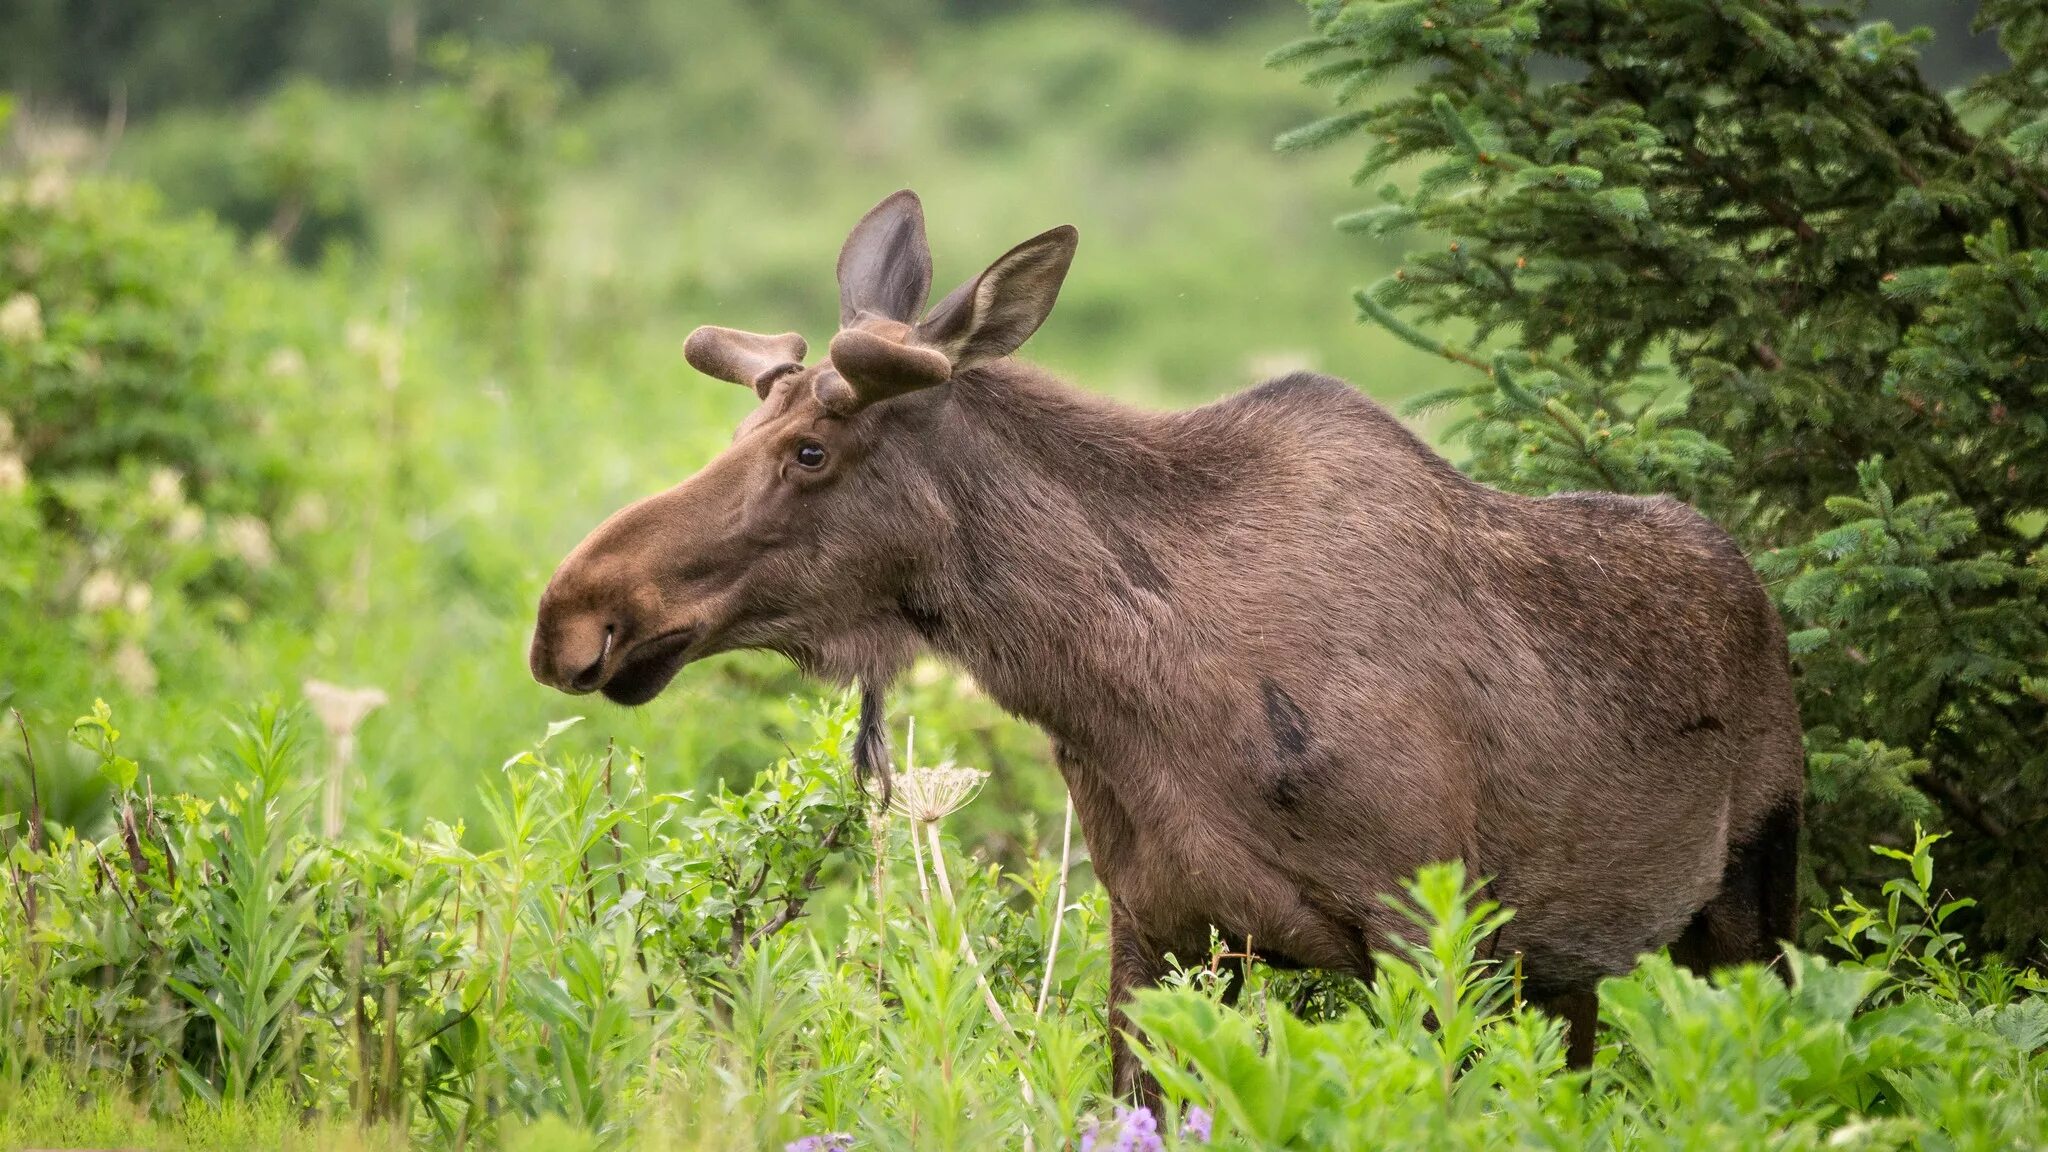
(629, 968)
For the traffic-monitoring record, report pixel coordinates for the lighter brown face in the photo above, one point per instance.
(798, 538)
(738, 556)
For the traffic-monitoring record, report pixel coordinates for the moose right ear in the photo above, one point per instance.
(745, 358)
(992, 315)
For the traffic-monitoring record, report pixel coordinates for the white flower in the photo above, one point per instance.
(362, 337)
(132, 667)
(342, 710)
(186, 524)
(308, 514)
(248, 538)
(49, 188)
(167, 487)
(21, 319)
(13, 474)
(101, 591)
(928, 795)
(286, 362)
(136, 599)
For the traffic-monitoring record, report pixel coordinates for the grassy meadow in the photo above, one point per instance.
(311, 390)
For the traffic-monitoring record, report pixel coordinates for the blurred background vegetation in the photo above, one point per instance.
(331, 327)
(326, 328)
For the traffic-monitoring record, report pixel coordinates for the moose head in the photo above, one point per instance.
(796, 537)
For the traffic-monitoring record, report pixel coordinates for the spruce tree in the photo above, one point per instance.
(1740, 252)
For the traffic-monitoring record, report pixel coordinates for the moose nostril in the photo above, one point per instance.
(593, 673)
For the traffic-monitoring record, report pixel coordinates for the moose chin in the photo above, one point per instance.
(1286, 653)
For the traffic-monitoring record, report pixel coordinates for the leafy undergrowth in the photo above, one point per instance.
(781, 967)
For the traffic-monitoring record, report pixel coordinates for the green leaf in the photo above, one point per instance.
(121, 772)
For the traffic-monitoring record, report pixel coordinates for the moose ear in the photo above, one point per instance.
(992, 315)
(746, 358)
(885, 267)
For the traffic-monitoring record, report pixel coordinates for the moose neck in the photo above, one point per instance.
(1054, 587)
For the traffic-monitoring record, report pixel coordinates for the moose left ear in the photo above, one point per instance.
(992, 315)
(745, 358)
(885, 267)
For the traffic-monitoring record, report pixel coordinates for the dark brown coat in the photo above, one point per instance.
(1286, 653)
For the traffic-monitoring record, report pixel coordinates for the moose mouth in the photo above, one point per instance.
(643, 675)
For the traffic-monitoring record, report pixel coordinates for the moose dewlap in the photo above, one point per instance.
(1286, 653)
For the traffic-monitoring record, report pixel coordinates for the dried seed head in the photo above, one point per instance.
(341, 710)
(928, 795)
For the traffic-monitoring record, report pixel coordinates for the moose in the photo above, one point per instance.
(1285, 653)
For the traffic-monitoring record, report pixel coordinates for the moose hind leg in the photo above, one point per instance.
(1756, 910)
(1133, 963)
(1580, 1011)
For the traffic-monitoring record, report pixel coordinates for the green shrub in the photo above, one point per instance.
(628, 968)
(144, 470)
(212, 949)
(1744, 254)
(1865, 1052)
(280, 174)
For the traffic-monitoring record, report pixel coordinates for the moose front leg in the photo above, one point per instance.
(1134, 963)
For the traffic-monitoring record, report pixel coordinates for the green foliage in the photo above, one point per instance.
(1742, 253)
(251, 945)
(211, 970)
(1866, 1052)
(624, 953)
(142, 481)
(279, 175)
(504, 101)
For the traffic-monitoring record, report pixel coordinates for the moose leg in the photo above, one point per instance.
(1580, 1011)
(1133, 963)
(1757, 908)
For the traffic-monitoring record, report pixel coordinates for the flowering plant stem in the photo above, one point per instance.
(1059, 909)
(995, 1006)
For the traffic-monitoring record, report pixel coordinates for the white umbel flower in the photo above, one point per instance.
(928, 795)
(341, 711)
(134, 669)
(21, 320)
(249, 539)
(101, 591)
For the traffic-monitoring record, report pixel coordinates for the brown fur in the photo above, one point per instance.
(1286, 653)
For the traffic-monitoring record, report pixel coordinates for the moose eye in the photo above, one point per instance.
(810, 454)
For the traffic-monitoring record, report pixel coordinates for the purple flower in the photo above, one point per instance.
(824, 1142)
(1137, 1130)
